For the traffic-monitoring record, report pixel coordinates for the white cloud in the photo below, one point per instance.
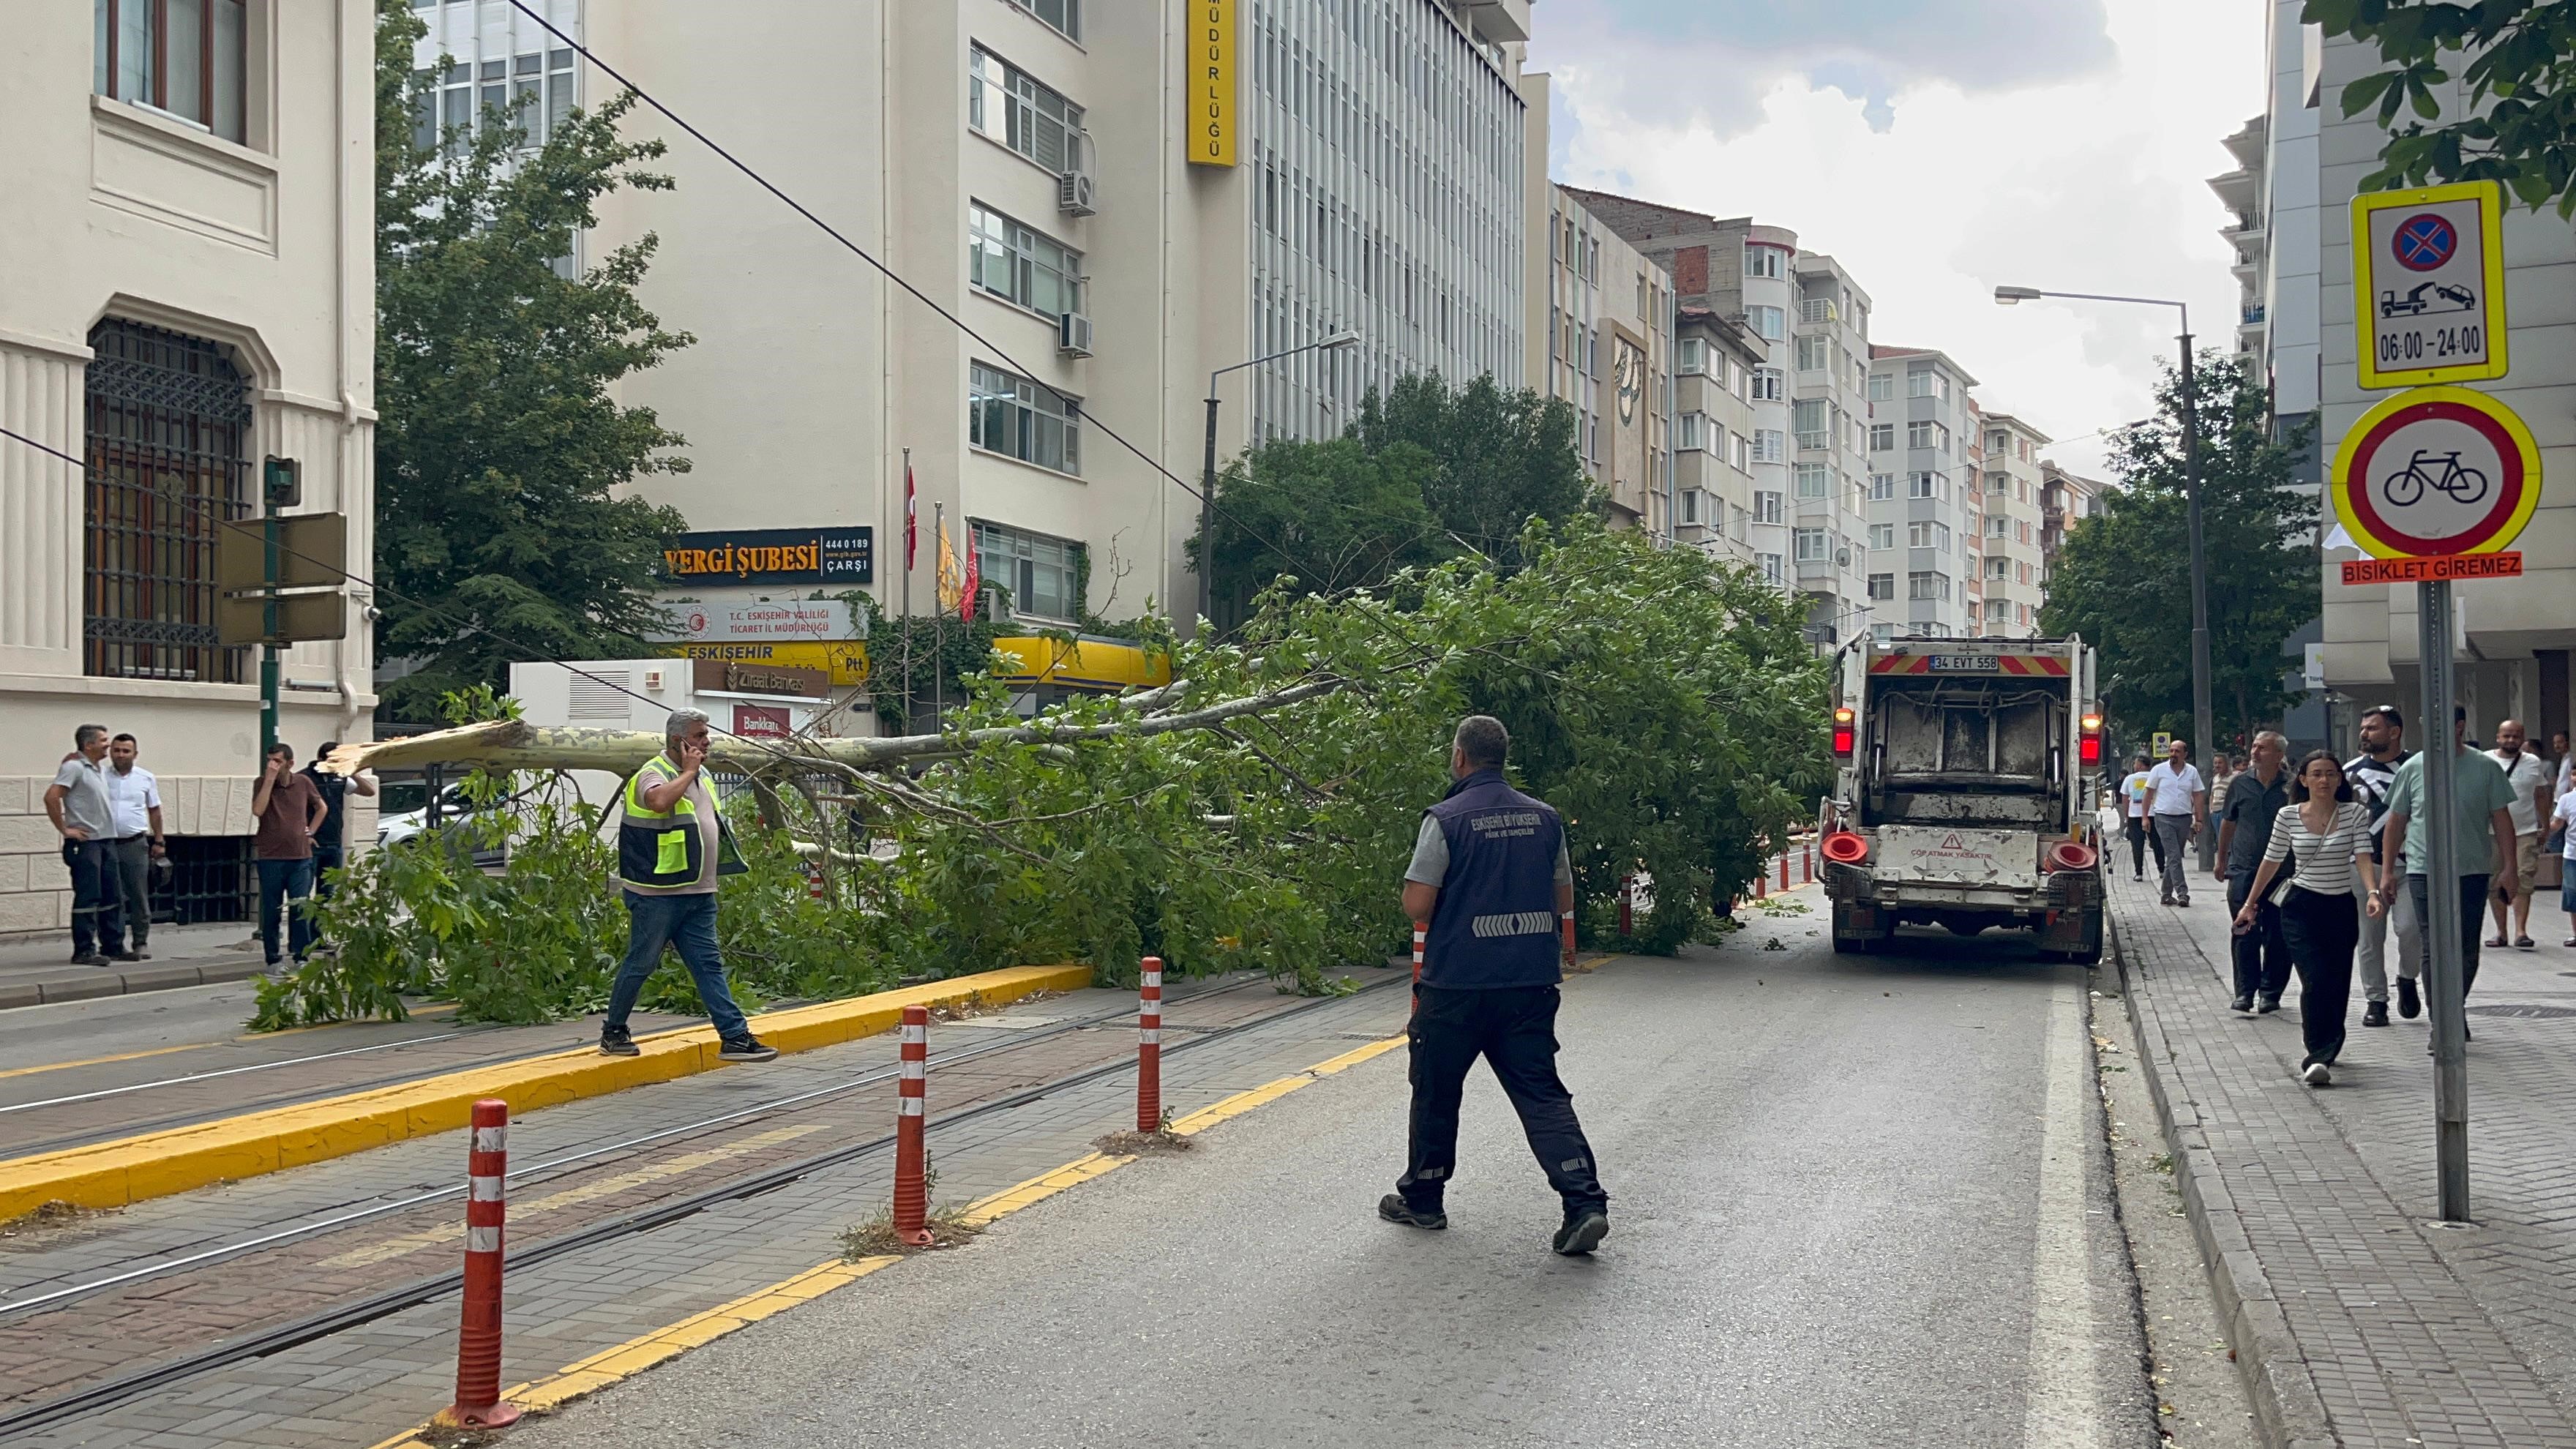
(1956, 178)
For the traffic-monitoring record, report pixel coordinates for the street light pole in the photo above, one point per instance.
(2202, 727)
(1207, 469)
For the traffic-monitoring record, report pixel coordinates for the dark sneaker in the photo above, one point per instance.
(1582, 1233)
(2408, 1003)
(88, 958)
(617, 1041)
(2266, 1005)
(2242, 1006)
(1395, 1209)
(127, 957)
(2375, 1014)
(747, 1048)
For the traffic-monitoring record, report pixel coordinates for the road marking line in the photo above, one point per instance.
(668, 1167)
(447, 1009)
(2061, 1412)
(609, 1366)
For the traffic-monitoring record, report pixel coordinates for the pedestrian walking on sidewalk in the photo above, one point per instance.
(2373, 774)
(671, 847)
(2223, 769)
(2481, 827)
(288, 811)
(1490, 879)
(2255, 799)
(2312, 847)
(2563, 817)
(84, 815)
(134, 796)
(2133, 805)
(2531, 779)
(2177, 807)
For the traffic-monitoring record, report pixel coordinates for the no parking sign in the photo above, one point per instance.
(2428, 282)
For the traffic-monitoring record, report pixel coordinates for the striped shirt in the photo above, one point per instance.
(2325, 861)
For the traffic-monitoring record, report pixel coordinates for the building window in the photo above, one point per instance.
(1770, 384)
(1014, 108)
(1766, 506)
(1770, 445)
(1995, 526)
(1043, 574)
(1882, 387)
(1882, 487)
(1882, 586)
(1814, 479)
(1882, 437)
(1927, 585)
(1690, 355)
(1764, 261)
(1020, 265)
(1740, 452)
(1811, 544)
(1918, 383)
(1923, 485)
(1813, 353)
(2021, 531)
(1064, 15)
(1995, 484)
(1696, 430)
(183, 58)
(2021, 573)
(1997, 569)
(1690, 505)
(1768, 322)
(1926, 534)
(168, 426)
(1809, 419)
(1882, 535)
(1771, 570)
(1018, 418)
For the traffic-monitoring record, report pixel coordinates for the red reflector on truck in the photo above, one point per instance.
(1845, 848)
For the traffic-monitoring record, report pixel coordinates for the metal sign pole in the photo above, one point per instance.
(2442, 925)
(272, 564)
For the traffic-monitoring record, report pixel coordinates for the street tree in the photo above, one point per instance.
(1324, 517)
(2122, 578)
(1498, 458)
(2517, 59)
(499, 447)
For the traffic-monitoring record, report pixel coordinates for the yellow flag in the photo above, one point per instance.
(952, 584)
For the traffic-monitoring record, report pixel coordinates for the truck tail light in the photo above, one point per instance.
(2089, 747)
(1845, 848)
(1843, 733)
(2071, 855)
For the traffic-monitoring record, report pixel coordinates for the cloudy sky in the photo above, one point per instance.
(1938, 148)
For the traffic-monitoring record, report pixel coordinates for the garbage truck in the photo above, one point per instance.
(1967, 775)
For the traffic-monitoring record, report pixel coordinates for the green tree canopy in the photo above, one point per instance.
(2123, 578)
(1334, 516)
(2521, 77)
(498, 445)
(1498, 459)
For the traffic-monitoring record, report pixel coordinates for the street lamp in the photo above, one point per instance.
(2200, 720)
(1207, 475)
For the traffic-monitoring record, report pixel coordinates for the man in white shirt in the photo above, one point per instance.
(2530, 777)
(134, 799)
(2177, 808)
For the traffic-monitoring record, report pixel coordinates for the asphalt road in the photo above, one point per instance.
(1857, 1202)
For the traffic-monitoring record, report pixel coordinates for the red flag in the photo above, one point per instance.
(911, 519)
(974, 577)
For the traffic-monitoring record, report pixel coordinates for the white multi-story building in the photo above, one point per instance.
(1040, 171)
(190, 265)
(1714, 362)
(1610, 340)
(2276, 224)
(1809, 451)
(2015, 496)
(1923, 541)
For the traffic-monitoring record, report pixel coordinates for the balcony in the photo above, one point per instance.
(2252, 315)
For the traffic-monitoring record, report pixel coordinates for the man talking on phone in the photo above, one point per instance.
(669, 841)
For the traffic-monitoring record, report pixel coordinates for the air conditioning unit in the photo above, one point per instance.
(1073, 194)
(1073, 335)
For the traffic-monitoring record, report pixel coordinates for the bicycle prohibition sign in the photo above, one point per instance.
(2436, 472)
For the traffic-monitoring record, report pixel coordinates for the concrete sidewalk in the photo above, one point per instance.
(2357, 1319)
(37, 970)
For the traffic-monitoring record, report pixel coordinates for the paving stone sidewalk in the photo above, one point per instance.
(2357, 1319)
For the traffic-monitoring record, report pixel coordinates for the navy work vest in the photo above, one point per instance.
(1495, 924)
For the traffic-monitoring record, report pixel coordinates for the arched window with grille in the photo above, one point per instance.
(168, 431)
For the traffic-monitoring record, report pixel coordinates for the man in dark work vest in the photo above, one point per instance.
(1490, 875)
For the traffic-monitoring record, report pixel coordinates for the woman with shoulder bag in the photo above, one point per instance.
(2319, 835)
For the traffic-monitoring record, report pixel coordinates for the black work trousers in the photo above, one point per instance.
(2322, 931)
(1514, 1029)
(2139, 840)
(98, 899)
(2262, 955)
(2473, 914)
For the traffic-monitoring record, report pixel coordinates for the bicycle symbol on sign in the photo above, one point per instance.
(2441, 472)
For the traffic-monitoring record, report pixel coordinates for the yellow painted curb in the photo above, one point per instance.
(157, 1164)
(590, 1375)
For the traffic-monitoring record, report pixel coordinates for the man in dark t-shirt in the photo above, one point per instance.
(330, 843)
(289, 810)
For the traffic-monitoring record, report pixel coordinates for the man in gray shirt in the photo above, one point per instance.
(84, 815)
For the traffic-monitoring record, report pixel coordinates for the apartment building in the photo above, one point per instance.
(190, 262)
(2015, 489)
(1715, 359)
(1610, 342)
(1809, 523)
(2066, 499)
(1924, 503)
(1111, 217)
(2276, 224)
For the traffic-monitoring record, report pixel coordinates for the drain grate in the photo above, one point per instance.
(2523, 1009)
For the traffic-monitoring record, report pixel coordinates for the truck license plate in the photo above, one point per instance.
(1966, 663)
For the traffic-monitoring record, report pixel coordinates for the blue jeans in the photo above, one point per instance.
(688, 923)
(282, 881)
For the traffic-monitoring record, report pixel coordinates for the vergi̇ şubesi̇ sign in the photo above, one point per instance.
(775, 556)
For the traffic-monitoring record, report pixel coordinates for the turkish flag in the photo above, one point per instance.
(911, 519)
(974, 577)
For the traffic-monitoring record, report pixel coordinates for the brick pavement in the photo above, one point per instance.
(360, 1386)
(2357, 1320)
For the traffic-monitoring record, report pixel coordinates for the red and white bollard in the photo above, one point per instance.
(813, 880)
(1627, 905)
(478, 1337)
(1761, 885)
(911, 1178)
(1784, 870)
(1421, 933)
(1565, 920)
(1149, 1044)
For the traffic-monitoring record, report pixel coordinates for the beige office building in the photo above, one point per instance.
(189, 256)
(1084, 223)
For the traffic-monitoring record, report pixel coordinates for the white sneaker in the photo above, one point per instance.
(2317, 1075)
